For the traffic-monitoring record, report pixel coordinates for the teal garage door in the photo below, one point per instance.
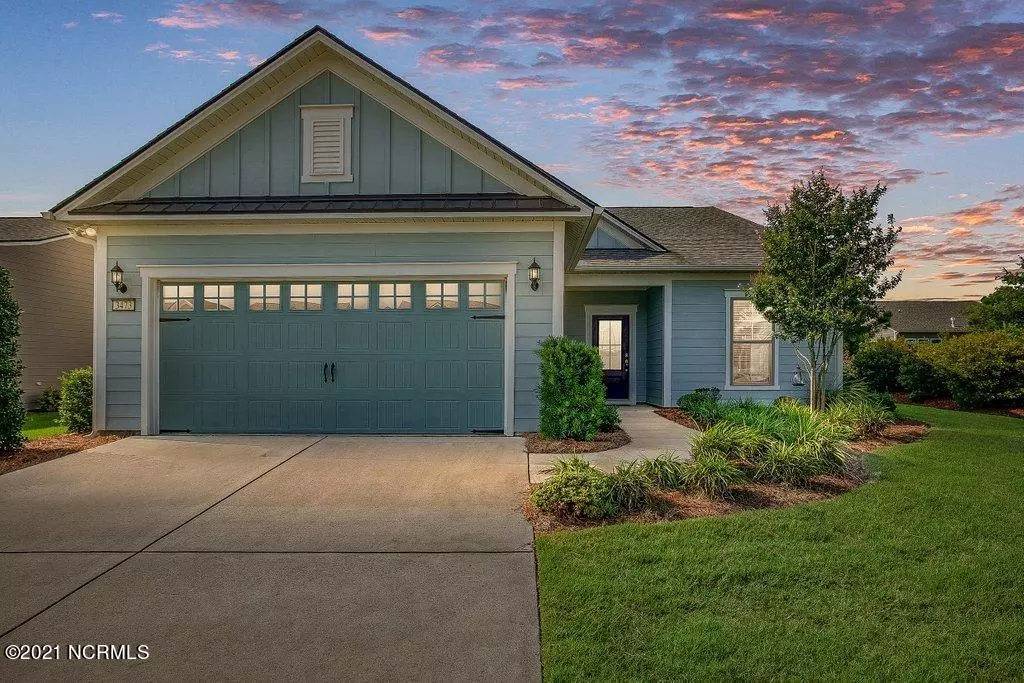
(346, 357)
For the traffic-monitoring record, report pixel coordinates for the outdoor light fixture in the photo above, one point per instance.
(798, 377)
(535, 275)
(117, 278)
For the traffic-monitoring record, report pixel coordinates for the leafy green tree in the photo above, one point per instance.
(825, 266)
(1005, 306)
(12, 412)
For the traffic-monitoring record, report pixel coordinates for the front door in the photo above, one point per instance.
(610, 334)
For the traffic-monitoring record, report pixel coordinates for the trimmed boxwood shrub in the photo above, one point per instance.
(576, 490)
(919, 376)
(12, 412)
(879, 363)
(76, 400)
(49, 400)
(572, 391)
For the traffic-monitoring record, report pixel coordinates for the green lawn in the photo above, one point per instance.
(919, 575)
(40, 425)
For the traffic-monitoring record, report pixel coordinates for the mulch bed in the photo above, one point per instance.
(667, 506)
(677, 416)
(52, 447)
(950, 404)
(604, 441)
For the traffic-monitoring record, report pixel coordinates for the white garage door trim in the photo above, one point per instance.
(152, 275)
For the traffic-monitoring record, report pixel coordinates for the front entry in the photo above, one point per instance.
(610, 334)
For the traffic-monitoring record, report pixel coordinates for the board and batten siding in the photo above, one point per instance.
(576, 302)
(699, 345)
(389, 155)
(533, 309)
(53, 288)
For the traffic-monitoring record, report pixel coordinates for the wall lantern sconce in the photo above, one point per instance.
(798, 377)
(117, 278)
(535, 275)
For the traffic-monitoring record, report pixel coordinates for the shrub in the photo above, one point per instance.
(728, 439)
(49, 400)
(576, 492)
(711, 474)
(12, 412)
(919, 377)
(702, 405)
(787, 462)
(666, 471)
(630, 489)
(76, 400)
(981, 369)
(610, 418)
(879, 363)
(571, 390)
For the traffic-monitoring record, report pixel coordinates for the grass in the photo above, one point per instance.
(41, 425)
(914, 576)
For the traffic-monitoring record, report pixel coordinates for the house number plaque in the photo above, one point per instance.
(122, 304)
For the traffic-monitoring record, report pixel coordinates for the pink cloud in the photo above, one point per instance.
(112, 17)
(392, 34)
(208, 14)
(533, 83)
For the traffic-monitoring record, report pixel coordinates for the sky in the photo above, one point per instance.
(633, 102)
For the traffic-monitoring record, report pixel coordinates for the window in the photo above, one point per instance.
(178, 297)
(609, 343)
(442, 295)
(353, 297)
(264, 297)
(326, 143)
(218, 297)
(485, 295)
(753, 347)
(306, 297)
(394, 295)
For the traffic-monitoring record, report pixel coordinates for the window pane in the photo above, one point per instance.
(747, 322)
(442, 295)
(305, 297)
(178, 297)
(218, 297)
(484, 294)
(752, 363)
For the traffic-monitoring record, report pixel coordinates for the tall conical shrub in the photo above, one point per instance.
(12, 412)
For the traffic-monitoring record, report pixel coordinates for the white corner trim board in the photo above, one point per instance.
(152, 275)
(624, 309)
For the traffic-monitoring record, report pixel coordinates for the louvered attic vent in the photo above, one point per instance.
(326, 143)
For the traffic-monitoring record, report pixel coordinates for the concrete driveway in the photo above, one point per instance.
(382, 558)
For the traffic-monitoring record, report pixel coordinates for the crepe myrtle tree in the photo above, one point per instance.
(825, 266)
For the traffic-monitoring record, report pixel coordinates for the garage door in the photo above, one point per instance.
(348, 357)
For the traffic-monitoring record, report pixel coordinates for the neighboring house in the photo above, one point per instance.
(53, 277)
(925, 320)
(323, 248)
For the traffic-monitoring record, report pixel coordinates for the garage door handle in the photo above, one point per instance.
(332, 372)
(325, 373)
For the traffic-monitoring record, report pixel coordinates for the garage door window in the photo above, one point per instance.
(485, 295)
(394, 296)
(353, 296)
(218, 297)
(264, 297)
(178, 297)
(442, 295)
(306, 297)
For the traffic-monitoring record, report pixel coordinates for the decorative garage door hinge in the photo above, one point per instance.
(174, 320)
(487, 317)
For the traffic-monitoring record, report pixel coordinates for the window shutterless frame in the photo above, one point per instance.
(748, 342)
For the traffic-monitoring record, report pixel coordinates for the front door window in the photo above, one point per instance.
(610, 334)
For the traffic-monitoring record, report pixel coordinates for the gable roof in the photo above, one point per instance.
(319, 34)
(29, 229)
(928, 316)
(694, 238)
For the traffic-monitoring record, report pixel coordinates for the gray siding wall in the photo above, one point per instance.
(389, 155)
(602, 240)
(655, 344)
(53, 287)
(533, 309)
(699, 345)
(576, 324)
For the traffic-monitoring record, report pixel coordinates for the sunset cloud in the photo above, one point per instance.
(112, 17)
(533, 83)
(392, 34)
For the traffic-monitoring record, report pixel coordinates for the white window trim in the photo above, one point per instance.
(152, 275)
(729, 296)
(624, 309)
(342, 113)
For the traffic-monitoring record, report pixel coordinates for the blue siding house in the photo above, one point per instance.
(321, 247)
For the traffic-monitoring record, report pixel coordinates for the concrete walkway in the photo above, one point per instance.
(342, 558)
(651, 435)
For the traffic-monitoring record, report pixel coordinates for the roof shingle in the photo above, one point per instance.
(29, 229)
(928, 316)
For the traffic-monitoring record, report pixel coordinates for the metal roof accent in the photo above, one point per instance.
(444, 203)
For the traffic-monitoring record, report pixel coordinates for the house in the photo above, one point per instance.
(322, 247)
(52, 276)
(925, 320)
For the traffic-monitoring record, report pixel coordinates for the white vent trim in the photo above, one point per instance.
(327, 143)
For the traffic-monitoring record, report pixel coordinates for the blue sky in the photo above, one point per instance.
(723, 102)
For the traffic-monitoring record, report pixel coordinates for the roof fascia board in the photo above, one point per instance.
(291, 227)
(33, 243)
(312, 218)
